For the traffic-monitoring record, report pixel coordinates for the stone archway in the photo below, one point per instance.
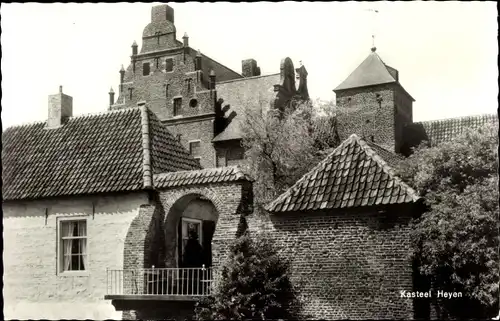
(195, 208)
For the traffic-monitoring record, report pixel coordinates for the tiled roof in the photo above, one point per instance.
(87, 154)
(442, 130)
(392, 159)
(372, 71)
(242, 94)
(353, 175)
(203, 176)
(167, 154)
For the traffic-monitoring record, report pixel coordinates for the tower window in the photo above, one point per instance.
(145, 69)
(193, 103)
(177, 106)
(157, 63)
(169, 65)
(195, 149)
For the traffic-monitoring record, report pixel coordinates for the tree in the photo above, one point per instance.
(456, 240)
(254, 284)
(282, 145)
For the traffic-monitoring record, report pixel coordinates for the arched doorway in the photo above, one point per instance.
(195, 229)
(189, 229)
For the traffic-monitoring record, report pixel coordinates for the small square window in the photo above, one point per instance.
(169, 65)
(145, 69)
(234, 156)
(177, 106)
(195, 149)
(73, 245)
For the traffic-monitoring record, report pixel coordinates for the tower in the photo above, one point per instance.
(372, 103)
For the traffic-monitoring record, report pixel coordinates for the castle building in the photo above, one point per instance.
(99, 209)
(200, 101)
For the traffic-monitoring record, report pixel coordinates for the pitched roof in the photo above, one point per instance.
(243, 94)
(372, 71)
(88, 154)
(442, 130)
(353, 175)
(203, 176)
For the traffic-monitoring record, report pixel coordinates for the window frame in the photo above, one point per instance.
(200, 230)
(171, 59)
(178, 113)
(190, 153)
(149, 67)
(60, 249)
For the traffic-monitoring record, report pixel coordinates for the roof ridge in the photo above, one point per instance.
(309, 173)
(160, 175)
(25, 124)
(146, 148)
(246, 78)
(386, 167)
(100, 113)
(453, 118)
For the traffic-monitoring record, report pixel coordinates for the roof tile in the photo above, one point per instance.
(363, 179)
(202, 176)
(443, 130)
(88, 154)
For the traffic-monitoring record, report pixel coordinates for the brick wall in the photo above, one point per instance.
(348, 265)
(199, 129)
(33, 286)
(359, 112)
(230, 201)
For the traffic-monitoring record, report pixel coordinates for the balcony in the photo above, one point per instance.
(159, 284)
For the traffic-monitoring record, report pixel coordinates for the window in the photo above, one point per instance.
(220, 158)
(194, 149)
(167, 86)
(190, 228)
(145, 69)
(177, 106)
(234, 156)
(73, 245)
(193, 103)
(169, 65)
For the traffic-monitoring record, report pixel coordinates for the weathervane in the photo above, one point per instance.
(375, 11)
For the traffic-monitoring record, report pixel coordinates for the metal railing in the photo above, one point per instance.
(160, 281)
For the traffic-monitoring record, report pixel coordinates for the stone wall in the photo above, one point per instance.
(33, 285)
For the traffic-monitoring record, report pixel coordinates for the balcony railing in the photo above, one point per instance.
(160, 281)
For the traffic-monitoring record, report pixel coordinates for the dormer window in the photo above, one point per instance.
(145, 69)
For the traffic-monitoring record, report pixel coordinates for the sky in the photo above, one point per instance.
(446, 52)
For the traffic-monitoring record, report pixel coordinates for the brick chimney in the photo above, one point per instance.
(249, 68)
(60, 109)
(161, 13)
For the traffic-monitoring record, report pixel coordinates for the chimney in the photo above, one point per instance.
(111, 97)
(197, 65)
(249, 68)
(212, 80)
(185, 40)
(60, 109)
(161, 13)
(134, 48)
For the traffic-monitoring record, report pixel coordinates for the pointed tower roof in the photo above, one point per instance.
(372, 71)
